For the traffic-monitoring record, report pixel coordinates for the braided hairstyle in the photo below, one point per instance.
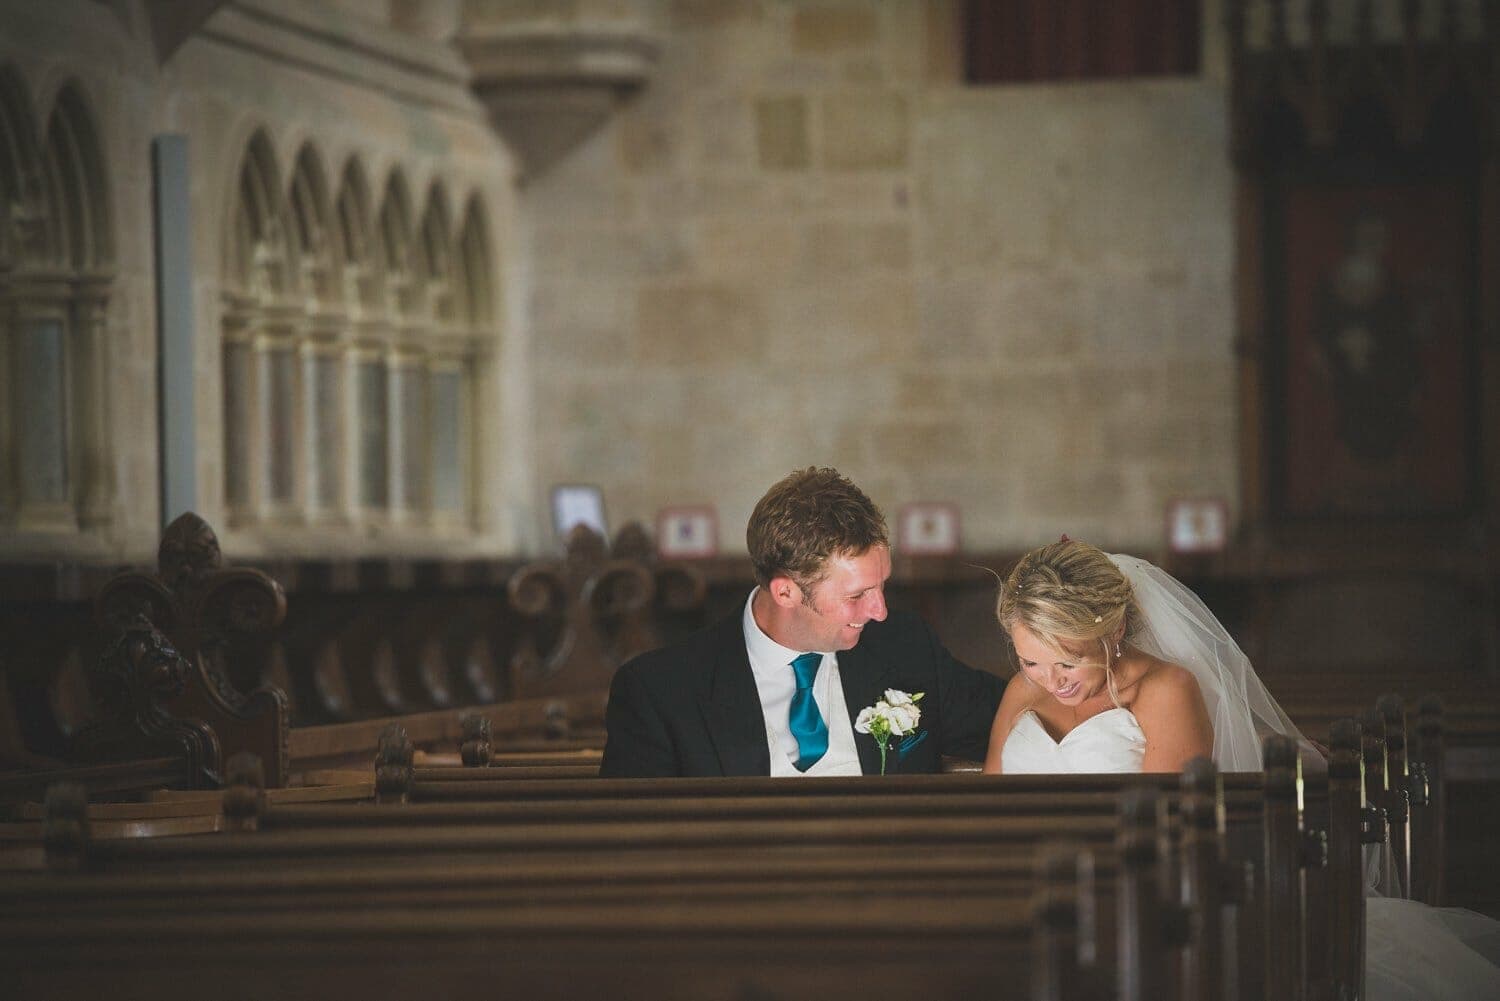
(1070, 595)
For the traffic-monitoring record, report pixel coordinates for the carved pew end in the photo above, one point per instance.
(1057, 946)
(1141, 963)
(476, 746)
(393, 765)
(65, 827)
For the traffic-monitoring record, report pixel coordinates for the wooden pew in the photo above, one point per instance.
(577, 802)
(913, 829)
(941, 917)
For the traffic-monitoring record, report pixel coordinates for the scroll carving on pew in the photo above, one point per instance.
(220, 619)
(681, 589)
(587, 614)
(139, 674)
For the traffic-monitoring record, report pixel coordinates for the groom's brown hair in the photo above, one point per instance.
(805, 518)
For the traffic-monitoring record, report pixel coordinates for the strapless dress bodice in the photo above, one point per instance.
(1112, 741)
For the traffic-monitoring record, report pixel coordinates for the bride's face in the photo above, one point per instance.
(1070, 679)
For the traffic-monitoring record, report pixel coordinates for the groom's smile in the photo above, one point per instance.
(832, 614)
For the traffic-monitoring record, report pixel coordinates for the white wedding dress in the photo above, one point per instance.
(1413, 952)
(1111, 741)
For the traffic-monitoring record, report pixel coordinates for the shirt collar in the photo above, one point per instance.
(765, 653)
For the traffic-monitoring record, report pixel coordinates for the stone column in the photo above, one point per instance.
(91, 404)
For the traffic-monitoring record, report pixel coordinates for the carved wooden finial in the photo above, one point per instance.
(633, 542)
(475, 747)
(189, 550)
(1345, 756)
(588, 615)
(219, 618)
(393, 765)
(1202, 794)
(1278, 751)
(584, 545)
(1139, 812)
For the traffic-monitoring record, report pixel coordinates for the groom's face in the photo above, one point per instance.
(833, 613)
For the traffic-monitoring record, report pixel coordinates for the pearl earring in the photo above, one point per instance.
(1118, 655)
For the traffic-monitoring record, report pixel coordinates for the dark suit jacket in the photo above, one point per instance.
(693, 708)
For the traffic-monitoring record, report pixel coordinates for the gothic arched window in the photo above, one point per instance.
(352, 332)
(55, 273)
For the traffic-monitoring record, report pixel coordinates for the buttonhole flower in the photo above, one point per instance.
(896, 715)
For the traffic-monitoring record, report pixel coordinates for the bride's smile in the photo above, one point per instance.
(1068, 691)
(1071, 678)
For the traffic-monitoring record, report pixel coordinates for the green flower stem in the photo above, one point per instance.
(880, 729)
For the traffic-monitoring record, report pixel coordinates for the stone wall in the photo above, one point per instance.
(806, 243)
(803, 241)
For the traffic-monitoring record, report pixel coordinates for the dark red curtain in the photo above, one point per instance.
(1008, 41)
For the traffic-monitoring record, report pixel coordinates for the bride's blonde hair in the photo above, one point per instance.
(1070, 595)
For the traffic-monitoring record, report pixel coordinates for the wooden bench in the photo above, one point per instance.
(930, 861)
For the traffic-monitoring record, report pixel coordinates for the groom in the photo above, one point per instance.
(775, 689)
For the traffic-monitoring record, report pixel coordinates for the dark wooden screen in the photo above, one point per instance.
(1013, 41)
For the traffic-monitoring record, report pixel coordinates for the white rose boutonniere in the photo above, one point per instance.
(896, 715)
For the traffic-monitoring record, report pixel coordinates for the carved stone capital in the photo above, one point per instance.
(549, 82)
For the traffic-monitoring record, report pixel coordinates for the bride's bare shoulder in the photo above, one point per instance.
(1019, 696)
(1167, 687)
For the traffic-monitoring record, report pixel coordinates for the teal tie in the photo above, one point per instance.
(804, 720)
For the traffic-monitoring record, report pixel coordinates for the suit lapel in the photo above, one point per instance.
(864, 676)
(731, 707)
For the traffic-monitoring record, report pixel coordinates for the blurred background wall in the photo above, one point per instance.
(1056, 264)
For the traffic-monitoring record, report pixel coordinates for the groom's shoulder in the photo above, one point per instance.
(687, 655)
(899, 629)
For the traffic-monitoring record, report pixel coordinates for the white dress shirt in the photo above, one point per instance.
(772, 665)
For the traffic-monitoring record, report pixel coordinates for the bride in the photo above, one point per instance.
(1127, 670)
